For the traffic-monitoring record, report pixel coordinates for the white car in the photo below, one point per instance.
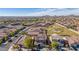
(5, 42)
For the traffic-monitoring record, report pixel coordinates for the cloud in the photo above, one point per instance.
(41, 13)
(55, 11)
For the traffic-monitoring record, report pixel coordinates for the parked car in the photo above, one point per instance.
(9, 40)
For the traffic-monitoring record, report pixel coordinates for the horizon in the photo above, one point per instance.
(41, 16)
(38, 11)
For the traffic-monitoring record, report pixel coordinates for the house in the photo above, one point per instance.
(43, 24)
(41, 37)
(77, 28)
(73, 40)
(55, 37)
(40, 40)
(2, 33)
(34, 31)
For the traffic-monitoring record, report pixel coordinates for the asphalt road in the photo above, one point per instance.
(5, 46)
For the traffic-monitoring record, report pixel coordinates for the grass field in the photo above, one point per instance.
(61, 30)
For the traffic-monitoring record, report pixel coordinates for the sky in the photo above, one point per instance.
(38, 11)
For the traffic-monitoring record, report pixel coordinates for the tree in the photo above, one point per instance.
(12, 34)
(0, 41)
(28, 42)
(54, 44)
(5, 37)
(23, 33)
(72, 26)
(15, 46)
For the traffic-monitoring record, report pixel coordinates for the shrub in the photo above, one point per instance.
(5, 38)
(28, 42)
(54, 44)
(0, 41)
(12, 34)
(15, 46)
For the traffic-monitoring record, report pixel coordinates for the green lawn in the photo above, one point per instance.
(60, 30)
